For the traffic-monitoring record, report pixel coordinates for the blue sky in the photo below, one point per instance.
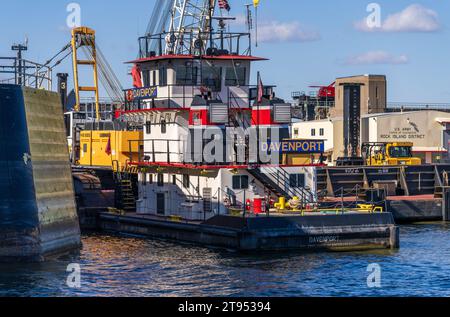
(308, 42)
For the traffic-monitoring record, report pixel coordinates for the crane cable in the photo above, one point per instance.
(106, 75)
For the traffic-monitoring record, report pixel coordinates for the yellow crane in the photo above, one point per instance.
(84, 36)
(98, 147)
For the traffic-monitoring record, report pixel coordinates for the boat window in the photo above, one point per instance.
(313, 132)
(186, 75)
(150, 178)
(297, 180)
(212, 77)
(240, 182)
(148, 127)
(162, 76)
(160, 180)
(153, 78)
(163, 126)
(235, 76)
(322, 132)
(146, 78)
(186, 181)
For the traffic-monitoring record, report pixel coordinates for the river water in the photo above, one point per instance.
(112, 266)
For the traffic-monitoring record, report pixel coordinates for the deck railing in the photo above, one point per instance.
(25, 73)
(195, 43)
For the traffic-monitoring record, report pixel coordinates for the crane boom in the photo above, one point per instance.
(84, 36)
(179, 17)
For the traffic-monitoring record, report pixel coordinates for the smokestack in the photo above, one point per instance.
(62, 88)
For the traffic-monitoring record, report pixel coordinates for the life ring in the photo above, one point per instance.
(248, 205)
(130, 95)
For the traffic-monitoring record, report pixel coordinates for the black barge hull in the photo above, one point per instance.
(313, 233)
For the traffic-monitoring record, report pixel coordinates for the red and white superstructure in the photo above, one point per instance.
(194, 101)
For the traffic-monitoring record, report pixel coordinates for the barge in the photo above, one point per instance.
(352, 232)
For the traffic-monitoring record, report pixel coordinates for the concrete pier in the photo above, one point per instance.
(37, 204)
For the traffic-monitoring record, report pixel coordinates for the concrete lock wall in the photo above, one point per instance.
(37, 204)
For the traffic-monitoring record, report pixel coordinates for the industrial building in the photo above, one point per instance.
(373, 94)
(429, 130)
(372, 121)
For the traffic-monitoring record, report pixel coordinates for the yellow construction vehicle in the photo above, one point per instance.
(389, 154)
(104, 148)
(91, 143)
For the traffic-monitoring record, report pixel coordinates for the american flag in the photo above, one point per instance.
(224, 5)
(260, 89)
(108, 149)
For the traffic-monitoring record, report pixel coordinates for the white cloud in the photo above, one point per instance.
(285, 32)
(415, 18)
(377, 58)
(240, 20)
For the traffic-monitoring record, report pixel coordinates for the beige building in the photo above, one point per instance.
(428, 130)
(373, 94)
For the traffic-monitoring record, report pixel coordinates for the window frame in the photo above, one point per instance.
(163, 126)
(148, 127)
(238, 184)
(186, 181)
(162, 75)
(235, 82)
(160, 180)
(146, 77)
(186, 81)
(297, 180)
(206, 82)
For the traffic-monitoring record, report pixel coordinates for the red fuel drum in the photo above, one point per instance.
(258, 206)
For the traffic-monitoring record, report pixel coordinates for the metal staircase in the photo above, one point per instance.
(277, 181)
(274, 179)
(125, 196)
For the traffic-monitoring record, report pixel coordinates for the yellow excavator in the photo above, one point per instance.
(389, 154)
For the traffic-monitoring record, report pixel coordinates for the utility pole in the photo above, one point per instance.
(20, 68)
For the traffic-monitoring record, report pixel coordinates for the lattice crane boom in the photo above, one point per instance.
(179, 17)
(84, 36)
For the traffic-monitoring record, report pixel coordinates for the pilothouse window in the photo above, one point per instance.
(235, 76)
(212, 77)
(162, 76)
(186, 75)
(146, 78)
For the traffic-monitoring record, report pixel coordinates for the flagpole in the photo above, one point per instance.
(258, 119)
(256, 27)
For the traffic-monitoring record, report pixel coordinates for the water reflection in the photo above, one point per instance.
(113, 266)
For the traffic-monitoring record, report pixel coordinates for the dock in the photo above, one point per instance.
(412, 193)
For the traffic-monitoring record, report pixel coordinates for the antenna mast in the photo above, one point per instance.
(188, 17)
